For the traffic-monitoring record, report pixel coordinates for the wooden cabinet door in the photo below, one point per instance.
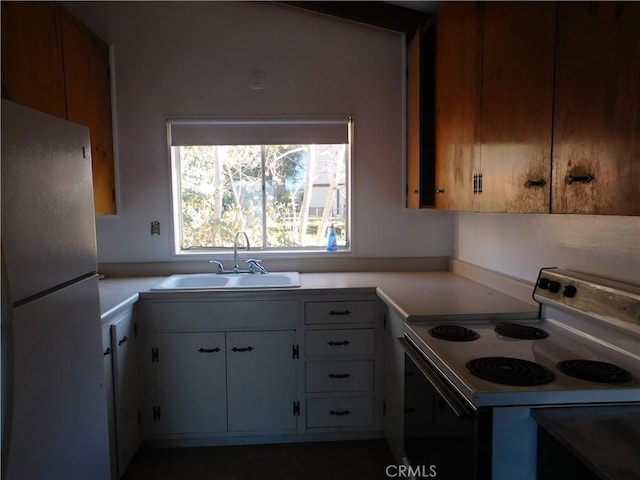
(190, 383)
(457, 103)
(596, 152)
(517, 101)
(127, 405)
(261, 381)
(32, 72)
(88, 94)
(413, 122)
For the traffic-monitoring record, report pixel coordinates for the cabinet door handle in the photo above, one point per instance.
(241, 349)
(122, 340)
(339, 375)
(333, 313)
(107, 352)
(338, 344)
(440, 190)
(579, 178)
(209, 350)
(339, 412)
(535, 183)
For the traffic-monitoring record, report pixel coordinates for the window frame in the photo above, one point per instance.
(272, 252)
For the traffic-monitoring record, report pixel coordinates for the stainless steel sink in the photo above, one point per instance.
(212, 281)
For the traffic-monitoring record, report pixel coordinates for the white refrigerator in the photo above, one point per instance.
(54, 409)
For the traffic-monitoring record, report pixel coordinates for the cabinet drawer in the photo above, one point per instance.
(339, 412)
(339, 312)
(340, 342)
(339, 376)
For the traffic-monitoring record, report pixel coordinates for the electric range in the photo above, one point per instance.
(584, 349)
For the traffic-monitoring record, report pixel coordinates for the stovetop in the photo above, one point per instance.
(583, 320)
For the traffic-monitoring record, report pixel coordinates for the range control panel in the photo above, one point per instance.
(589, 294)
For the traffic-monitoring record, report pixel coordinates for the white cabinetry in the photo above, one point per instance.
(341, 368)
(190, 383)
(261, 381)
(394, 377)
(120, 353)
(221, 368)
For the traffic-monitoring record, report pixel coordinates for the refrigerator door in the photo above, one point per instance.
(59, 424)
(48, 223)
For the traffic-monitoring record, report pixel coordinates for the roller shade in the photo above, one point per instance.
(263, 131)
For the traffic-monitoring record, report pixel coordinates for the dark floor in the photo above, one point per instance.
(353, 460)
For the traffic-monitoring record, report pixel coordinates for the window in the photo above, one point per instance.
(284, 182)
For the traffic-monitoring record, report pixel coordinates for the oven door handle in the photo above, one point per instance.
(459, 407)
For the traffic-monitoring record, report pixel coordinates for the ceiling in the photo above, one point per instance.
(400, 16)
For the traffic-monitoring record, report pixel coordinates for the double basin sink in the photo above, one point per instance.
(224, 281)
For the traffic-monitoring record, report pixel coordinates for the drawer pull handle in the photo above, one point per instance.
(107, 351)
(333, 313)
(338, 344)
(124, 339)
(339, 375)
(209, 350)
(579, 178)
(241, 349)
(535, 183)
(339, 412)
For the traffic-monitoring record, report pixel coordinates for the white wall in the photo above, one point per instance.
(195, 58)
(519, 245)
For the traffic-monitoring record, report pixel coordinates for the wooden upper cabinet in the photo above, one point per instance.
(413, 123)
(596, 163)
(88, 94)
(52, 63)
(517, 106)
(32, 71)
(457, 103)
(421, 118)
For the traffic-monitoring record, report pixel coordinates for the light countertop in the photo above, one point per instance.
(414, 295)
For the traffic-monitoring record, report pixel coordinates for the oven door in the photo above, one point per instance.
(444, 435)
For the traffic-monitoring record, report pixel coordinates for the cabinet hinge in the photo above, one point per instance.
(156, 413)
(296, 409)
(477, 183)
(296, 351)
(155, 355)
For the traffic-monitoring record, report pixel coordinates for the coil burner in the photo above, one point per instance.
(510, 371)
(594, 371)
(523, 332)
(454, 333)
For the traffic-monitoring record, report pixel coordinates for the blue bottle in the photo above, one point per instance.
(332, 244)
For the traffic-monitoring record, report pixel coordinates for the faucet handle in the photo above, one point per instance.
(220, 266)
(254, 264)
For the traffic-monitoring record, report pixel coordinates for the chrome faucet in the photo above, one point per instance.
(236, 269)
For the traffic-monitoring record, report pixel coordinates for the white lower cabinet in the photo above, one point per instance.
(125, 381)
(341, 365)
(191, 378)
(261, 381)
(209, 383)
(340, 412)
(120, 354)
(263, 368)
